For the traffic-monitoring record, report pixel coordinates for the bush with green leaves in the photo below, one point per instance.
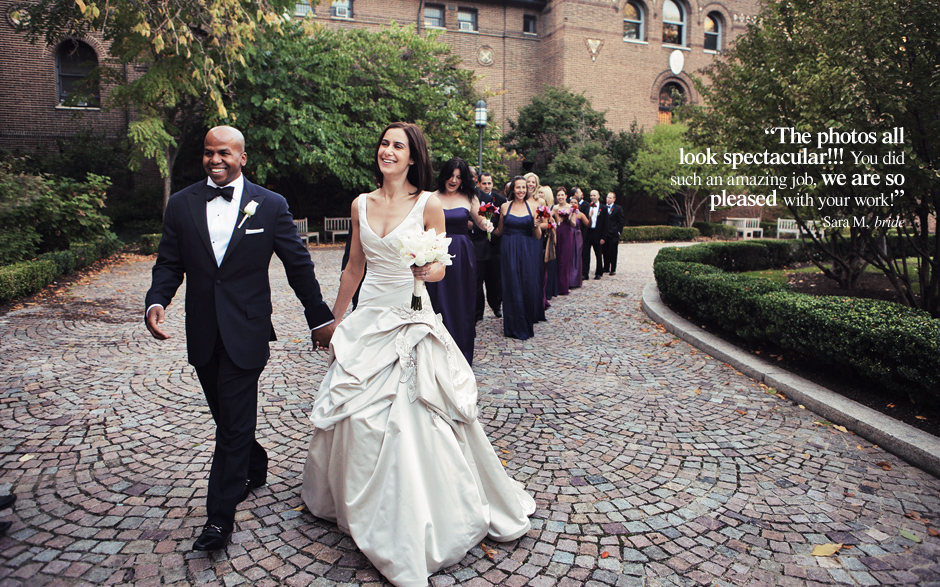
(716, 229)
(40, 213)
(895, 346)
(25, 278)
(149, 243)
(658, 233)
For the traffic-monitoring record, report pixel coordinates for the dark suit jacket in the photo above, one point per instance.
(615, 222)
(233, 299)
(600, 231)
(484, 248)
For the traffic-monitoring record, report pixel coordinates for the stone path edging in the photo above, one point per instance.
(914, 446)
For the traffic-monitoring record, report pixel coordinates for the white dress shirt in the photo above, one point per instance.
(221, 216)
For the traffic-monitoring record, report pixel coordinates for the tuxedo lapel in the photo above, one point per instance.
(249, 193)
(197, 207)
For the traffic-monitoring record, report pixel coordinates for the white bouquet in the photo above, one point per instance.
(421, 248)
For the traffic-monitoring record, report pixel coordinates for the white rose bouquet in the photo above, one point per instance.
(421, 248)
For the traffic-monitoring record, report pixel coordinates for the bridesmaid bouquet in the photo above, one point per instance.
(488, 210)
(419, 249)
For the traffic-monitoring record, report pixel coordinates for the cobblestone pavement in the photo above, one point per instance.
(652, 464)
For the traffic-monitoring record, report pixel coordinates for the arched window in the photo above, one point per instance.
(713, 32)
(668, 100)
(673, 23)
(633, 22)
(74, 62)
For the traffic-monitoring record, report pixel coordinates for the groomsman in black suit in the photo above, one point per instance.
(220, 234)
(615, 223)
(487, 253)
(596, 235)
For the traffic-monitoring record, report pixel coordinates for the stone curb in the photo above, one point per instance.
(914, 446)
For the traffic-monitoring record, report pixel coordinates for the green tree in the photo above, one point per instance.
(623, 148)
(587, 166)
(657, 162)
(189, 52)
(551, 124)
(313, 101)
(815, 65)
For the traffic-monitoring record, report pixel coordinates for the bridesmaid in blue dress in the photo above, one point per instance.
(521, 256)
(454, 297)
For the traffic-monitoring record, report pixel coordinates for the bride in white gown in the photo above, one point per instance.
(398, 458)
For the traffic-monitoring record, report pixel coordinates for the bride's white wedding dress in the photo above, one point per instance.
(398, 459)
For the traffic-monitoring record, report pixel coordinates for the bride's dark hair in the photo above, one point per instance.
(420, 173)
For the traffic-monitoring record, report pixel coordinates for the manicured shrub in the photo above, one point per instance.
(658, 233)
(715, 229)
(28, 277)
(64, 261)
(149, 243)
(895, 346)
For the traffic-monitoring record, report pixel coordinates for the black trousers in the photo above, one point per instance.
(489, 273)
(598, 258)
(232, 394)
(611, 246)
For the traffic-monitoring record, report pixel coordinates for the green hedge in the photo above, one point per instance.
(752, 255)
(149, 243)
(895, 346)
(716, 229)
(28, 277)
(657, 233)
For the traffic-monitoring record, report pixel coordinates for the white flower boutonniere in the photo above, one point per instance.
(249, 211)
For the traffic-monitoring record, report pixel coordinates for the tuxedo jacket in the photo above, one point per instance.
(615, 221)
(484, 248)
(232, 299)
(599, 232)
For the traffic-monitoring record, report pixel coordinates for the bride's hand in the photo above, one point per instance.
(423, 271)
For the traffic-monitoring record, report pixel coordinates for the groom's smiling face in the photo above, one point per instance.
(223, 156)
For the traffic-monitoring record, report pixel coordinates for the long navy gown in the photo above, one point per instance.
(455, 296)
(522, 275)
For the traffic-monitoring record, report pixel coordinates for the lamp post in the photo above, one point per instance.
(480, 121)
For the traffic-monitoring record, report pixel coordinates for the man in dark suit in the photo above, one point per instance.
(221, 234)
(487, 253)
(595, 236)
(615, 221)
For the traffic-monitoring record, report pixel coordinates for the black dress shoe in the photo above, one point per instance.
(213, 538)
(4, 526)
(597, 277)
(249, 485)
(497, 313)
(612, 273)
(7, 501)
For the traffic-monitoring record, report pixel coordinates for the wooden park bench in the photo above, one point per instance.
(790, 226)
(746, 227)
(335, 226)
(305, 235)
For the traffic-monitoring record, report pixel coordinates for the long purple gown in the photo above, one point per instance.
(454, 297)
(575, 279)
(563, 253)
(521, 266)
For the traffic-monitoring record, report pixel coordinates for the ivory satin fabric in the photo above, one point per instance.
(398, 458)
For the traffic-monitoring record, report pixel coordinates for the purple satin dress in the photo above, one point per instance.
(563, 253)
(454, 297)
(576, 276)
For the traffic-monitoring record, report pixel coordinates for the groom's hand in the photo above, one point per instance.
(322, 336)
(155, 317)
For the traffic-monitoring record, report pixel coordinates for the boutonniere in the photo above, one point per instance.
(249, 211)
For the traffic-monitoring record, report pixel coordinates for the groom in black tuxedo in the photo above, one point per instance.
(221, 234)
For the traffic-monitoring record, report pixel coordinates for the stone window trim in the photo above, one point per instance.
(635, 22)
(675, 17)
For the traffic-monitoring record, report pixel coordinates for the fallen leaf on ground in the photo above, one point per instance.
(742, 412)
(933, 532)
(884, 465)
(849, 494)
(489, 552)
(921, 417)
(826, 549)
(911, 536)
(890, 405)
(914, 516)
(605, 554)
(841, 428)
(503, 450)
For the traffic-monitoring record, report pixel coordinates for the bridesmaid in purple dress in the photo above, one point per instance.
(577, 264)
(564, 249)
(454, 297)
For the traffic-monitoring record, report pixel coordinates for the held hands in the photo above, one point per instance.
(322, 336)
(155, 317)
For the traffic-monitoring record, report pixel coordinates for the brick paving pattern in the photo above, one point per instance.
(652, 463)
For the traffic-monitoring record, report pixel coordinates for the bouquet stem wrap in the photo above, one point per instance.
(416, 296)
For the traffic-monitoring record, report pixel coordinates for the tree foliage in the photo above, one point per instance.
(551, 124)
(313, 101)
(815, 65)
(657, 162)
(189, 52)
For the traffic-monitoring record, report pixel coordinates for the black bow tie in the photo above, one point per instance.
(226, 192)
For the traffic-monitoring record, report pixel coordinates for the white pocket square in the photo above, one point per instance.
(253, 230)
